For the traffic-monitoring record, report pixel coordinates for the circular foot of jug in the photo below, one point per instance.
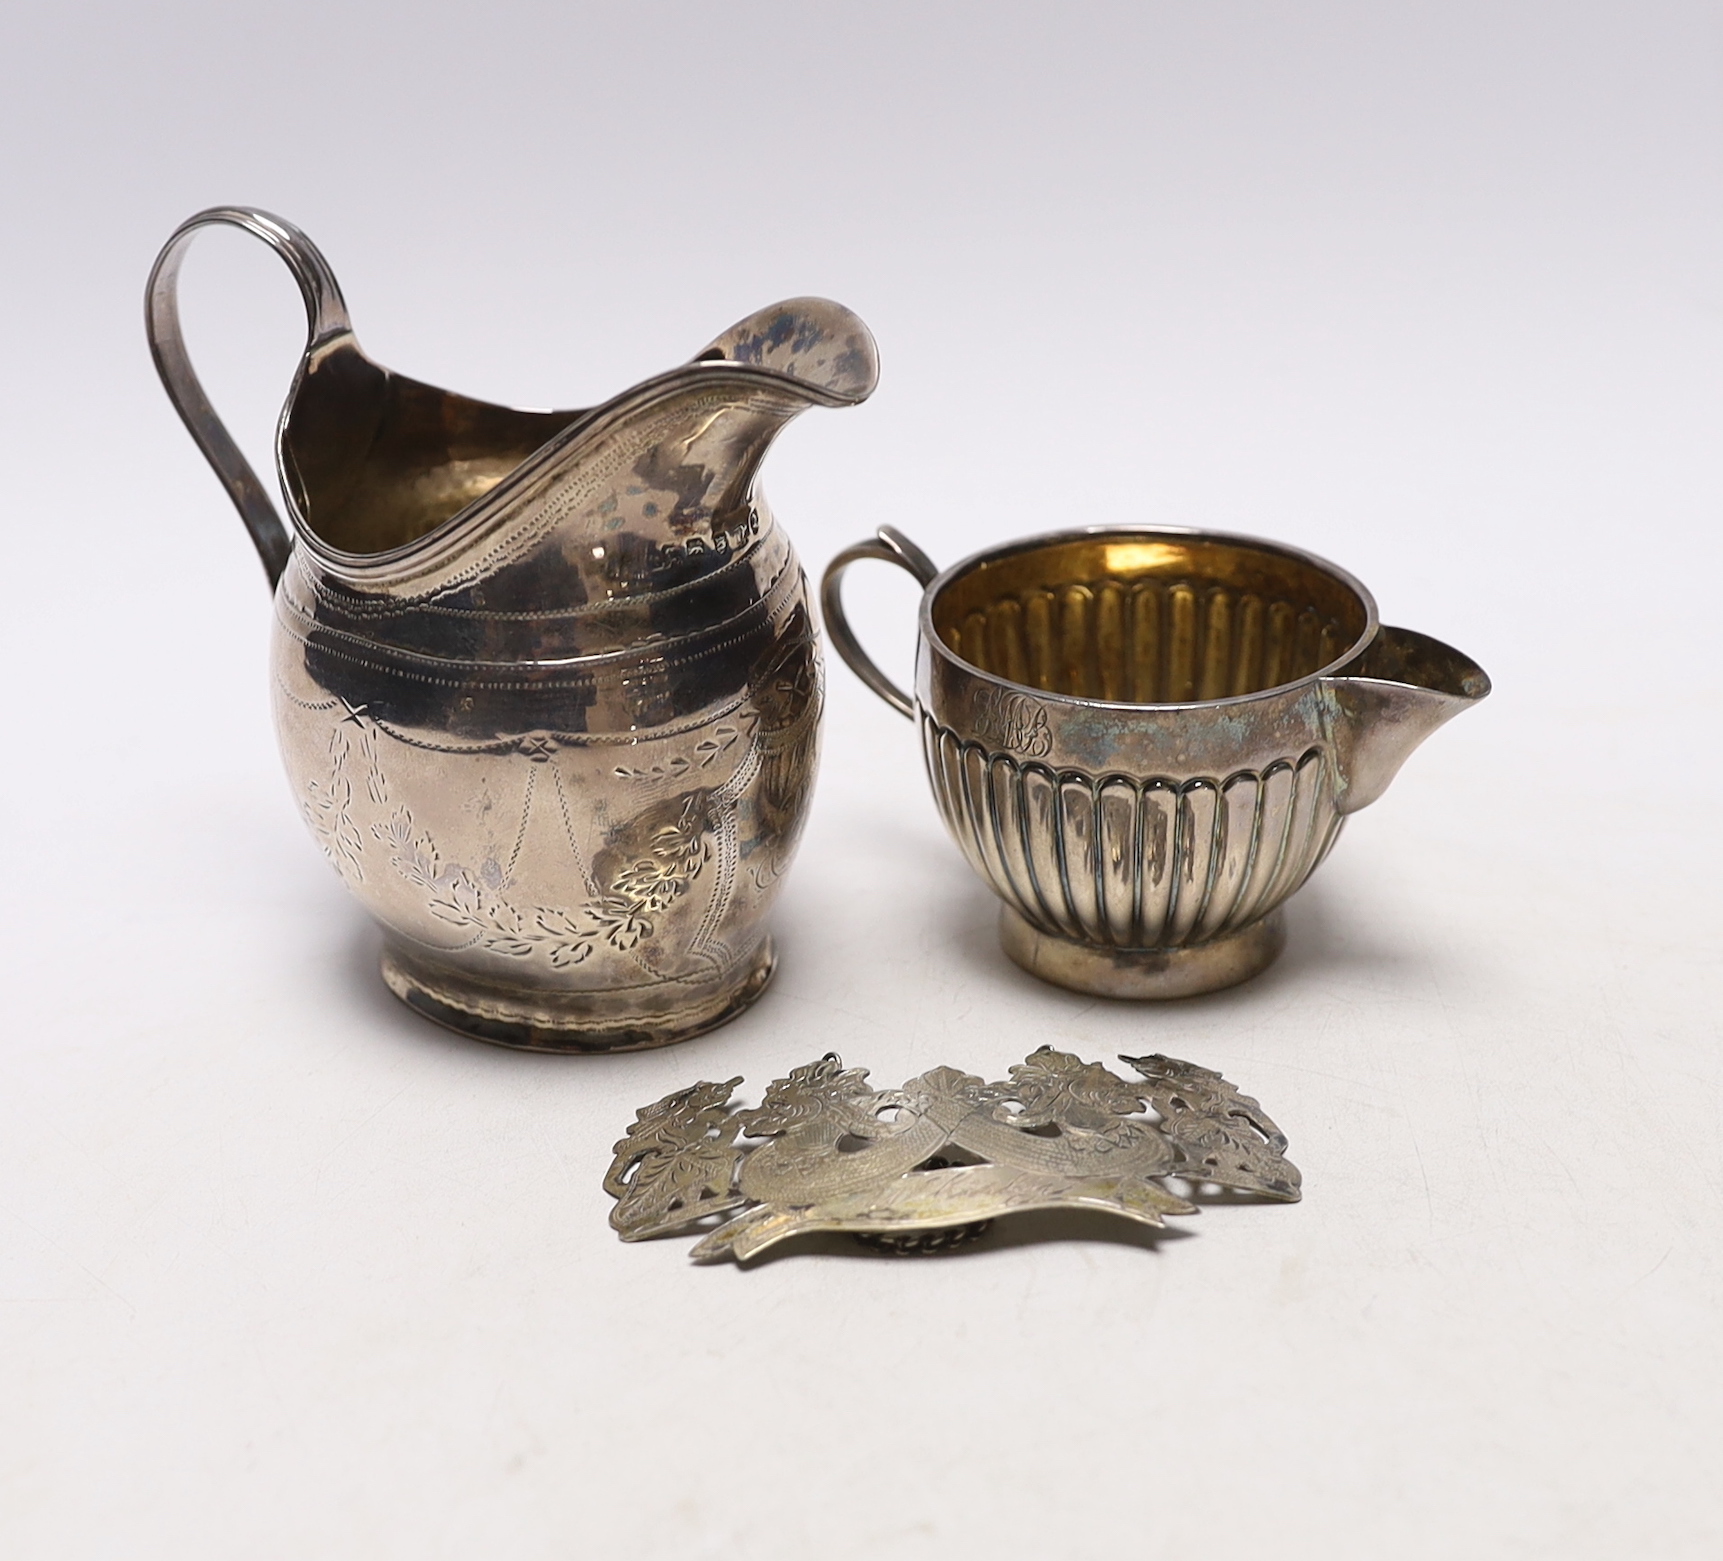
(1143, 973)
(630, 1020)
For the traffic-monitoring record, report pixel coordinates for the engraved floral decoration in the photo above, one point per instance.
(1225, 1134)
(327, 810)
(787, 686)
(1052, 1087)
(455, 895)
(720, 742)
(824, 1092)
(328, 805)
(672, 855)
(931, 1165)
(646, 863)
(675, 1165)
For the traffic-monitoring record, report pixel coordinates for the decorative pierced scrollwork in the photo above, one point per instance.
(923, 1167)
(1223, 1136)
(677, 1163)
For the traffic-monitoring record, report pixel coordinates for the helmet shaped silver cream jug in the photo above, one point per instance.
(546, 683)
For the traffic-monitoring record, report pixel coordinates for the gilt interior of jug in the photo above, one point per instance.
(376, 460)
(1151, 617)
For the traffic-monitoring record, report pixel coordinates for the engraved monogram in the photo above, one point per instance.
(1013, 721)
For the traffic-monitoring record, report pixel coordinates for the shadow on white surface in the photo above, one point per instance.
(1327, 944)
(1066, 1227)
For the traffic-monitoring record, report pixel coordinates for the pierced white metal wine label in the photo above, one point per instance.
(927, 1166)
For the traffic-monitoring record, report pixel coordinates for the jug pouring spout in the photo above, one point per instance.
(1395, 694)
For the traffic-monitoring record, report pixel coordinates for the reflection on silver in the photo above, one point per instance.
(546, 683)
(921, 1168)
(1145, 741)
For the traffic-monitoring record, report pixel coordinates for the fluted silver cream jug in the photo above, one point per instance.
(547, 683)
(1145, 740)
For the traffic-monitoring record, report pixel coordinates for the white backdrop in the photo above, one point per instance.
(1429, 289)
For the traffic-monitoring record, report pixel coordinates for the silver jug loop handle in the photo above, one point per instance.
(325, 315)
(890, 546)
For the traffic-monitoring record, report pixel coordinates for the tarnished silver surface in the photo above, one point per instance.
(546, 683)
(1146, 740)
(918, 1168)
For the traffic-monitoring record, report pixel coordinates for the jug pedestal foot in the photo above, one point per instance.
(636, 1019)
(1144, 973)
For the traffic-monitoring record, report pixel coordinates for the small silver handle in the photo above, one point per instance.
(890, 546)
(325, 316)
